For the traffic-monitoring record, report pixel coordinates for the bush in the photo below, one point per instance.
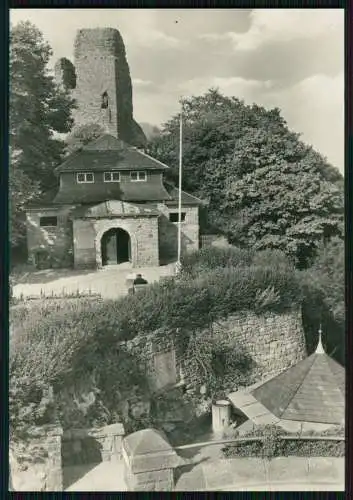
(60, 350)
(26, 315)
(210, 258)
(62, 342)
(272, 443)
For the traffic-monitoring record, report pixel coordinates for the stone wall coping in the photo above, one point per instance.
(108, 430)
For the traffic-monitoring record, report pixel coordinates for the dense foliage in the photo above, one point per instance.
(210, 258)
(322, 286)
(265, 187)
(59, 349)
(273, 441)
(324, 299)
(38, 110)
(60, 346)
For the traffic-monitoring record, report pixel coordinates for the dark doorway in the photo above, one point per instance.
(116, 247)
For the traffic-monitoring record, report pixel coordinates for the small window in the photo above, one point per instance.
(174, 216)
(105, 100)
(138, 176)
(84, 178)
(48, 221)
(111, 176)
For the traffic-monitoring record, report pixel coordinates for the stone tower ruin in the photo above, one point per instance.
(101, 84)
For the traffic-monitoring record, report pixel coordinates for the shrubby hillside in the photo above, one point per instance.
(74, 344)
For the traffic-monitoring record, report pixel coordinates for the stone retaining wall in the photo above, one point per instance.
(274, 342)
(35, 463)
(89, 446)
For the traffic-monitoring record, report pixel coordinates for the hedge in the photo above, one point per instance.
(179, 305)
(210, 258)
(272, 441)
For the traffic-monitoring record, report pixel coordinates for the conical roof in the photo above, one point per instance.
(311, 391)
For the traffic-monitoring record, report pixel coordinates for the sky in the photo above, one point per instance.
(287, 58)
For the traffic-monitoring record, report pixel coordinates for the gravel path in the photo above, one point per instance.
(109, 282)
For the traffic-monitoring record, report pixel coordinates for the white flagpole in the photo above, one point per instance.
(180, 179)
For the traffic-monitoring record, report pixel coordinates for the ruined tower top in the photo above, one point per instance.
(105, 41)
(102, 84)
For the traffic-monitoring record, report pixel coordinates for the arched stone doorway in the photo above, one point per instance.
(115, 247)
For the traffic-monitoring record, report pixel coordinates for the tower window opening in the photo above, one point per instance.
(105, 100)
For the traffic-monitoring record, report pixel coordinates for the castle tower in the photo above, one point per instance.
(103, 89)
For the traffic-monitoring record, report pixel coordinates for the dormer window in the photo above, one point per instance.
(111, 176)
(138, 176)
(85, 178)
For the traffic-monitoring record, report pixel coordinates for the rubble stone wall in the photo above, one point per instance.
(89, 446)
(273, 341)
(56, 241)
(35, 463)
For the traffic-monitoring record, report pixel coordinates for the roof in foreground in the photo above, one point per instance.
(313, 390)
(109, 153)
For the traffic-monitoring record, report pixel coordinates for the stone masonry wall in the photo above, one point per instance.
(36, 464)
(143, 233)
(84, 243)
(274, 341)
(89, 446)
(146, 349)
(57, 241)
(101, 66)
(168, 232)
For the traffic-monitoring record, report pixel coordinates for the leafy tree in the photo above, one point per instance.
(39, 109)
(21, 190)
(324, 298)
(262, 183)
(328, 273)
(81, 135)
(287, 206)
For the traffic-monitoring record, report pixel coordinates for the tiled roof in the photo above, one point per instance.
(109, 153)
(186, 198)
(149, 191)
(311, 391)
(114, 208)
(127, 191)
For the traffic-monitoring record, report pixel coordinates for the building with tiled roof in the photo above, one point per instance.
(112, 205)
(309, 396)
